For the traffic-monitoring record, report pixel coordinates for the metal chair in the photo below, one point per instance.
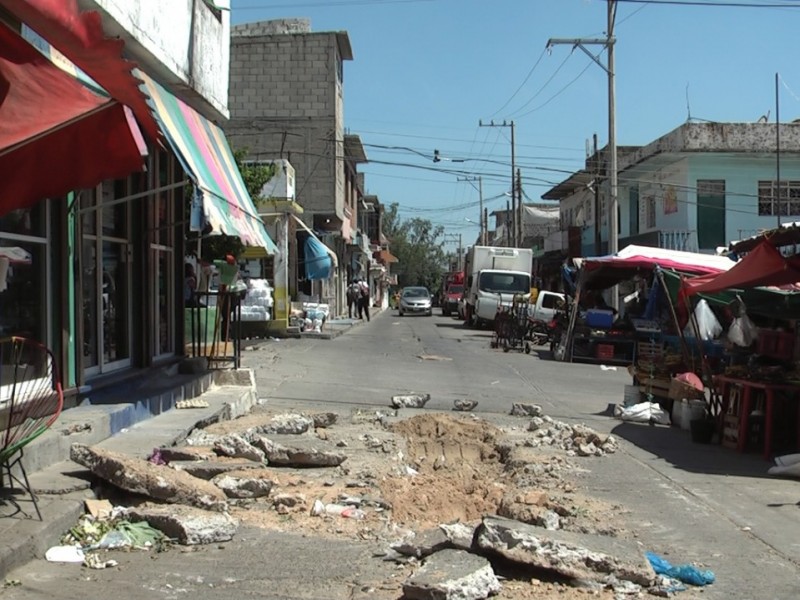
(31, 399)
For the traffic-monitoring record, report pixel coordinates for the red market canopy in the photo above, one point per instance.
(763, 266)
(79, 36)
(55, 134)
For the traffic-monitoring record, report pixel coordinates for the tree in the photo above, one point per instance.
(418, 247)
(255, 176)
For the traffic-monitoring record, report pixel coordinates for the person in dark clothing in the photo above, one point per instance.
(363, 300)
(353, 296)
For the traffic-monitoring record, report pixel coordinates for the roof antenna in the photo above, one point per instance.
(688, 107)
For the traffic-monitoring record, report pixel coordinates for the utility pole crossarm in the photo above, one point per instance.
(582, 43)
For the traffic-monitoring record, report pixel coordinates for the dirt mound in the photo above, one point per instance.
(460, 475)
(460, 442)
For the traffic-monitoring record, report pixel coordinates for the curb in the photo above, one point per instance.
(29, 538)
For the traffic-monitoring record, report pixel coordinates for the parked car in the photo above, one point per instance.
(416, 300)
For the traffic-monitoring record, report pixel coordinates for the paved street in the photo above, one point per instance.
(688, 502)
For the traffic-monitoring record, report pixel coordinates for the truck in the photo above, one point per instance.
(452, 290)
(494, 276)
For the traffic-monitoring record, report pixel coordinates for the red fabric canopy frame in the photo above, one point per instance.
(764, 266)
(80, 37)
(55, 134)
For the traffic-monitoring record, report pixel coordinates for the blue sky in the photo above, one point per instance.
(425, 72)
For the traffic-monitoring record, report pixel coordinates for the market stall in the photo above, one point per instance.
(597, 333)
(755, 389)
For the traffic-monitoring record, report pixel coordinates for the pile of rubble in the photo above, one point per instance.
(411, 474)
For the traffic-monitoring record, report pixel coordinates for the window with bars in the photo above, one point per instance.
(774, 199)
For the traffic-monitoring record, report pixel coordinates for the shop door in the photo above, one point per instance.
(161, 234)
(105, 279)
(710, 214)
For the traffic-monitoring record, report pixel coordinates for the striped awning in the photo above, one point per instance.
(206, 157)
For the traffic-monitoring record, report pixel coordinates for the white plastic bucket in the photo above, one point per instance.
(685, 414)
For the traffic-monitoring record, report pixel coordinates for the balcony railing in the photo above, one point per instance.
(684, 240)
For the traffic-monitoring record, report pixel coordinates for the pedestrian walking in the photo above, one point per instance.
(353, 296)
(363, 300)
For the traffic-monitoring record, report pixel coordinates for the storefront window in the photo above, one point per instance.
(23, 273)
(105, 277)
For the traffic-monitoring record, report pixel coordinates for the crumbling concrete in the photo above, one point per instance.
(423, 544)
(575, 439)
(187, 525)
(412, 400)
(464, 405)
(208, 469)
(247, 484)
(302, 453)
(139, 476)
(521, 409)
(452, 575)
(323, 420)
(186, 453)
(460, 535)
(288, 424)
(236, 446)
(581, 557)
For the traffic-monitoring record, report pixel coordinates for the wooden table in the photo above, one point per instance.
(723, 383)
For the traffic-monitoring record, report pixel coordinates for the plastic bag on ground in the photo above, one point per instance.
(644, 412)
(65, 554)
(787, 465)
(685, 573)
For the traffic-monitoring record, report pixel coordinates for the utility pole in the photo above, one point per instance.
(608, 42)
(597, 242)
(514, 210)
(460, 260)
(520, 212)
(483, 227)
(778, 156)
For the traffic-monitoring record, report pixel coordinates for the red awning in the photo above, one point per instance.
(55, 134)
(764, 266)
(79, 36)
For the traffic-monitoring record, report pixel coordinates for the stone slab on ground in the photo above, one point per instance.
(452, 575)
(412, 400)
(299, 452)
(208, 469)
(142, 477)
(250, 484)
(582, 557)
(423, 543)
(236, 446)
(186, 524)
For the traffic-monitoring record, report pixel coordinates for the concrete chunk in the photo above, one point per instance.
(186, 453)
(582, 557)
(300, 454)
(464, 404)
(241, 485)
(412, 400)
(186, 524)
(422, 544)
(208, 469)
(142, 477)
(323, 420)
(235, 446)
(452, 575)
(288, 424)
(460, 535)
(520, 409)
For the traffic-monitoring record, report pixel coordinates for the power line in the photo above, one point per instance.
(543, 86)
(521, 85)
(712, 4)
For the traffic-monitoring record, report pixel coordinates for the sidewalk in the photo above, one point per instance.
(146, 419)
(62, 486)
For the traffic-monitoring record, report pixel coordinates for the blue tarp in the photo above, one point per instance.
(318, 262)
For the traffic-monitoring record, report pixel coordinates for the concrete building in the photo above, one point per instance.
(287, 101)
(696, 188)
(103, 283)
